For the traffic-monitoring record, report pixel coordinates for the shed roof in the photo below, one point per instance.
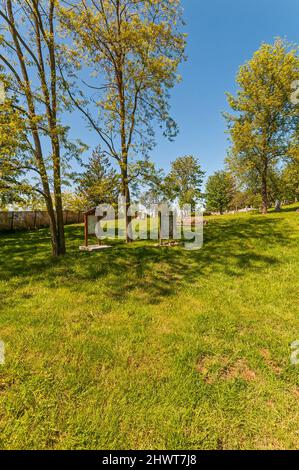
(90, 211)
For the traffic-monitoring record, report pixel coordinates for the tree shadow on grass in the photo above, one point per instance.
(147, 272)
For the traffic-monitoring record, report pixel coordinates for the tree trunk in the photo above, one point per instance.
(127, 197)
(52, 118)
(53, 226)
(265, 203)
(56, 222)
(58, 200)
(60, 226)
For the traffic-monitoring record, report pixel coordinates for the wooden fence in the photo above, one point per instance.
(32, 220)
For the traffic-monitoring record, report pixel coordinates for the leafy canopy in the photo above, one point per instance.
(132, 50)
(264, 126)
(220, 191)
(184, 180)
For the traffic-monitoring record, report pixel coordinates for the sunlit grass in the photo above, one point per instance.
(146, 347)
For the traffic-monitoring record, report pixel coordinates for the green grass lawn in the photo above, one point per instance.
(141, 347)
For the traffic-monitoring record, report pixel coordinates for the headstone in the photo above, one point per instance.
(277, 206)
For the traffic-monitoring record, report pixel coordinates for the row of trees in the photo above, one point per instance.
(224, 192)
(262, 165)
(264, 125)
(114, 62)
(130, 52)
(100, 184)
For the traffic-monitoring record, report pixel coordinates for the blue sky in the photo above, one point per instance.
(222, 35)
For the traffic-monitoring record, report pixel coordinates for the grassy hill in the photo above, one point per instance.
(142, 347)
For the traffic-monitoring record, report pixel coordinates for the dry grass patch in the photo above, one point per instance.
(212, 369)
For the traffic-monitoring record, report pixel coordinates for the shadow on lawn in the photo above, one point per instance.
(149, 272)
(283, 209)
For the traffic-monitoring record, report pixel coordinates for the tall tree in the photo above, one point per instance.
(184, 180)
(290, 181)
(134, 49)
(265, 121)
(220, 191)
(99, 184)
(30, 60)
